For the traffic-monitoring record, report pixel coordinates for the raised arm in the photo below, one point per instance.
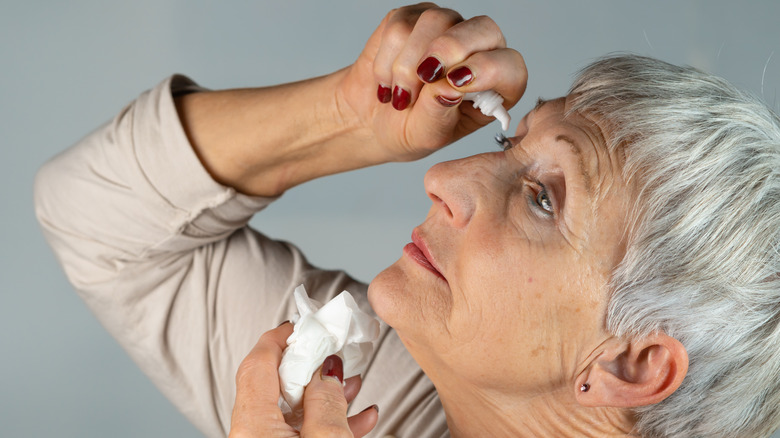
(148, 213)
(266, 140)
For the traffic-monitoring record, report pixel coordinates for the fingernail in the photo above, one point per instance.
(401, 98)
(430, 70)
(285, 322)
(333, 367)
(448, 102)
(460, 76)
(384, 94)
(374, 407)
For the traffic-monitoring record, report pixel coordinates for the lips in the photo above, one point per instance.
(418, 251)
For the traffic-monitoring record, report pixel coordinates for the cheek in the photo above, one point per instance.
(510, 282)
(493, 285)
(587, 297)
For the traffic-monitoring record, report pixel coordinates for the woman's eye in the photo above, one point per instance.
(543, 201)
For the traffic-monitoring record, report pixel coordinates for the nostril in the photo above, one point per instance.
(438, 200)
(447, 210)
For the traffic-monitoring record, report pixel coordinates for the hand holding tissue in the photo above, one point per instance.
(338, 327)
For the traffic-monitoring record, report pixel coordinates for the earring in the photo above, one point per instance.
(585, 387)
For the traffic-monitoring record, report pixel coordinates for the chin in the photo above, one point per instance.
(410, 300)
(385, 294)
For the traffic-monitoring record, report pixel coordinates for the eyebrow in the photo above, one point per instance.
(577, 151)
(539, 103)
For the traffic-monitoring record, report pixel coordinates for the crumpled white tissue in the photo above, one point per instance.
(338, 327)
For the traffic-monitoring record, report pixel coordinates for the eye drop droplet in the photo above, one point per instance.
(491, 104)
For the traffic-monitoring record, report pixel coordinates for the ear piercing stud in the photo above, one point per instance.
(585, 387)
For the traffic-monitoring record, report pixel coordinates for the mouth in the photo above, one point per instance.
(418, 251)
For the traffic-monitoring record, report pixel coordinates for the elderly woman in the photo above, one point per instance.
(613, 270)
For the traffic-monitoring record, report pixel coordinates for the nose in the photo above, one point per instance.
(461, 187)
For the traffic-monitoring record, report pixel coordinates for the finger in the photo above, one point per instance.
(257, 381)
(433, 117)
(324, 404)
(388, 41)
(362, 423)
(438, 112)
(257, 378)
(406, 82)
(352, 387)
(455, 44)
(500, 70)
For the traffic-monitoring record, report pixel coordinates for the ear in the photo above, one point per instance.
(636, 373)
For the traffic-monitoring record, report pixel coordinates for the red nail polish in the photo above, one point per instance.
(333, 367)
(384, 94)
(460, 76)
(448, 102)
(374, 407)
(401, 98)
(430, 70)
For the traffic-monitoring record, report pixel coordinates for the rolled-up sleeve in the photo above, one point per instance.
(161, 253)
(163, 256)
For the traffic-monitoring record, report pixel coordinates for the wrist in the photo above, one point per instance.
(332, 135)
(264, 141)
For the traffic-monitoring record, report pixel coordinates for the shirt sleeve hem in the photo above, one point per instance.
(169, 162)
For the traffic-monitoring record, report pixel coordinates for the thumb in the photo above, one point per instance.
(324, 403)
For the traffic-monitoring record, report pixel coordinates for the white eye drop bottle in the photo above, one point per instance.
(491, 104)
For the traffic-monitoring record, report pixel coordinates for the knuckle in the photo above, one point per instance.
(330, 399)
(422, 6)
(397, 32)
(491, 28)
(410, 12)
(240, 431)
(439, 15)
(484, 20)
(245, 370)
(382, 75)
(449, 44)
(519, 61)
(390, 14)
(428, 16)
(248, 367)
(501, 38)
(404, 72)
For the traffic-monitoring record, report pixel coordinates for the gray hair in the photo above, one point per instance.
(703, 259)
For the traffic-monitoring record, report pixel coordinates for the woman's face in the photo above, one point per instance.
(505, 283)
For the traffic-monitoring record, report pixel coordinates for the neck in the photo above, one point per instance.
(472, 411)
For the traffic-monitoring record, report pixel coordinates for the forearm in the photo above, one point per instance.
(264, 141)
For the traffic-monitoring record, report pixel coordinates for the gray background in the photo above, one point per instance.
(69, 66)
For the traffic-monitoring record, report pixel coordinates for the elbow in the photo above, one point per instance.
(45, 180)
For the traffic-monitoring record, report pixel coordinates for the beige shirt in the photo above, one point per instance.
(162, 254)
